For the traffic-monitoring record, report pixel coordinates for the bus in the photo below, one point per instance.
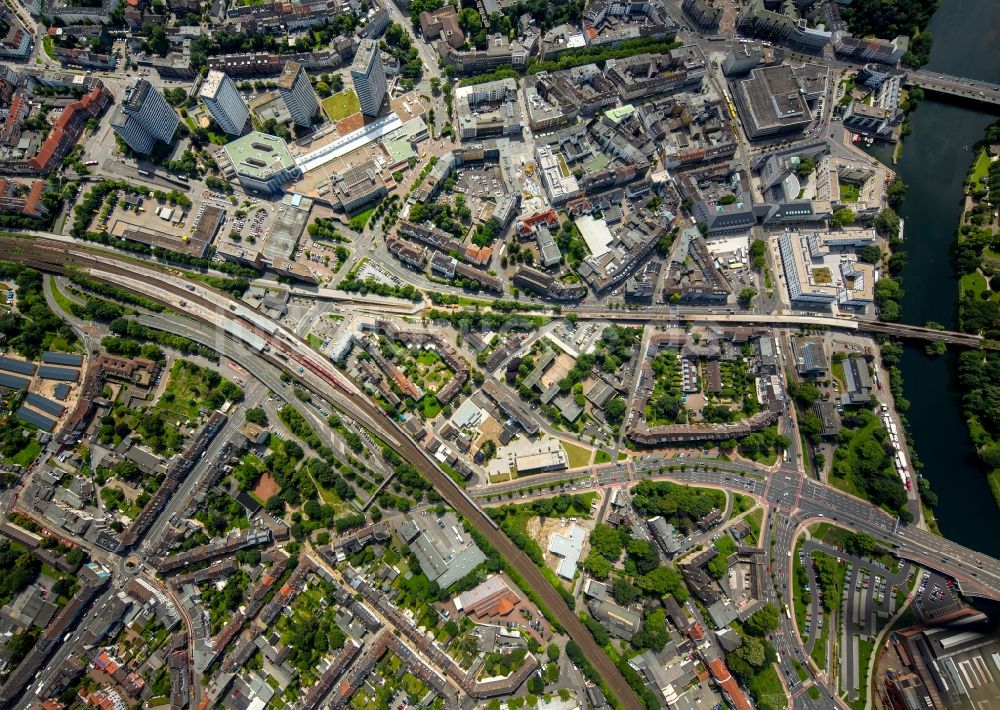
(788, 613)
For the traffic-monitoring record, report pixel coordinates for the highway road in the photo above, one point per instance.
(211, 307)
(956, 86)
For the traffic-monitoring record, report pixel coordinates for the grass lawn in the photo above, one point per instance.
(314, 340)
(755, 519)
(576, 456)
(725, 545)
(819, 650)
(979, 169)
(742, 503)
(186, 390)
(800, 671)
(813, 692)
(849, 192)
(622, 456)
(62, 300)
(974, 283)
(359, 220)
(340, 106)
(837, 368)
(768, 691)
(428, 358)
(865, 649)
(830, 534)
(430, 406)
(28, 454)
(800, 600)
(47, 45)
(602, 456)
(767, 459)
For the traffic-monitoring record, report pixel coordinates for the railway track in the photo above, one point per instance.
(55, 256)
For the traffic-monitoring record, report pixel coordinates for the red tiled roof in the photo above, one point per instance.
(33, 203)
(65, 127)
(725, 680)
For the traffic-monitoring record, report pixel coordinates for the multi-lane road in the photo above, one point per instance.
(210, 306)
(793, 499)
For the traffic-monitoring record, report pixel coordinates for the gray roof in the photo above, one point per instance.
(13, 381)
(19, 366)
(51, 372)
(33, 417)
(45, 404)
(54, 358)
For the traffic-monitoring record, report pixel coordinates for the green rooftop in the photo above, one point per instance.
(619, 112)
(398, 150)
(259, 155)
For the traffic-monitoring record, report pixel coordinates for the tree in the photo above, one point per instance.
(552, 651)
(606, 541)
(887, 223)
(896, 193)
(805, 393)
(861, 544)
(597, 565)
(758, 249)
(805, 167)
(614, 411)
(764, 621)
(746, 296)
(624, 591)
(841, 218)
(664, 580)
(870, 254)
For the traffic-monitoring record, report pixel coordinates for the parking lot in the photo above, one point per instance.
(935, 596)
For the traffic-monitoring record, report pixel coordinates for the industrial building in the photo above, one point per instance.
(444, 549)
(568, 547)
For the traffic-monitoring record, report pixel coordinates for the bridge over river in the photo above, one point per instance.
(971, 89)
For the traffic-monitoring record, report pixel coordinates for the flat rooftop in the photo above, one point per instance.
(259, 155)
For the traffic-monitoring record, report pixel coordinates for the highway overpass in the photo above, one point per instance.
(970, 89)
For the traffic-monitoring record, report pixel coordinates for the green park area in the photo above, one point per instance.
(340, 106)
(980, 169)
(359, 220)
(578, 456)
(861, 465)
(767, 690)
(192, 388)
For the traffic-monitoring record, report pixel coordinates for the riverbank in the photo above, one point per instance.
(977, 261)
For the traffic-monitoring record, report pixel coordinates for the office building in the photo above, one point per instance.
(224, 102)
(297, 93)
(144, 117)
(368, 76)
(260, 162)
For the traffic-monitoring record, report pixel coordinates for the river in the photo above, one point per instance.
(935, 160)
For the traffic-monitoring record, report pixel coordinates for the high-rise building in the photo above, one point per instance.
(297, 93)
(145, 117)
(224, 102)
(368, 75)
